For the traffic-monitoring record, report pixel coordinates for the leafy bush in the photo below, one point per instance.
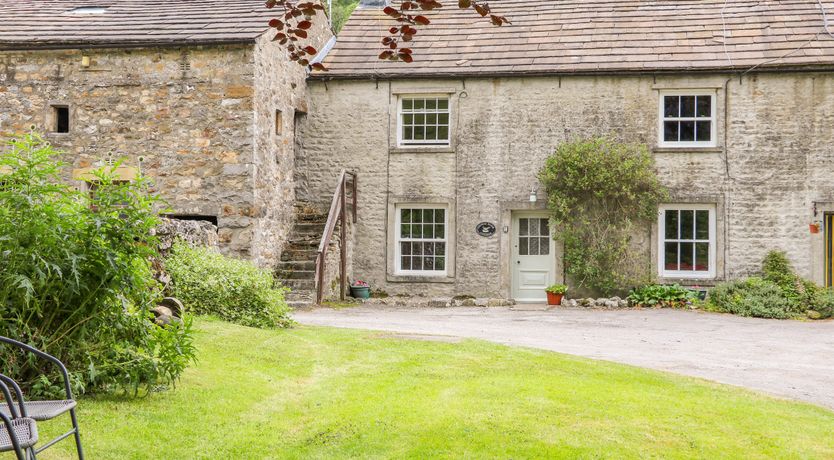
(75, 277)
(661, 295)
(824, 303)
(600, 193)
(209, 283)
(753, 296)
(800, 293)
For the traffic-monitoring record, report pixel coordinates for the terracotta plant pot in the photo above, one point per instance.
(815, 228)
(554, 299)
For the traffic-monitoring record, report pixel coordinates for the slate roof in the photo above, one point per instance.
(48, 23)
(594, 36)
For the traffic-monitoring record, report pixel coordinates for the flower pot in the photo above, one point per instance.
(815, 228)
(554, 299)
(360, 292)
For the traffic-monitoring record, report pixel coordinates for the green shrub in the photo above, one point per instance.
(753, 296)
(824, 303)
(661, 295)
(75, 278)
(556, 289)
(209, 283)
(800, 293)
(600, 193)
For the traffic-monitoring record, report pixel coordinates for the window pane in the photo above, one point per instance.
(428, 263)
(670, 131)
(431, 133)
(408, 133)
(670, 256)
(687, 106)
(544, 246)
(408, 119)
(443, 119)
(671, 221)
(671, 106)
(419, 104)
(440, 249)
(705, 106)
(405, 231)
(523, 247)
(703, 131)
(405, 216)
(687, 224)
(405, 263)
(428, 231)
(431, 119)
(443, 104)
(431, 104)
(687, 261)
(440, 216)
(416, 263)
(419, 119)
(440, 231)
(687, 129)
(408, 104)
(417, 249)
(428, 249)
(522, 226)
(702, 257)
(417, 231)
(534, 227)
(419, 133)
(416, 216)
(534, 246)
(428, 216)
(405, 249)
(440, 263)
(702, 225)
(443, 133)
(544, 230)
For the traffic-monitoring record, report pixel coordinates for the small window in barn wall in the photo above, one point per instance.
(424, 121)
(687, 119)
(279, 123)
(686, 237)
(60, 119)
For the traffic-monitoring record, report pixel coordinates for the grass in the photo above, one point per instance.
(329, 393)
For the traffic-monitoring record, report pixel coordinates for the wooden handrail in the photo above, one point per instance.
(336, 214)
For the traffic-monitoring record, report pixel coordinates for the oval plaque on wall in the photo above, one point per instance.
(485, 229)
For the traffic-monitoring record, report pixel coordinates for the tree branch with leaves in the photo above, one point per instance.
(292, 27)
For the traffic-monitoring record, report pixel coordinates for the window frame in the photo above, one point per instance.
(661, 241)
(399, 239)
(402, 143)
(661, 115)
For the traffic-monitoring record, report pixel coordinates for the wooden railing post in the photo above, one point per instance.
(343, 238)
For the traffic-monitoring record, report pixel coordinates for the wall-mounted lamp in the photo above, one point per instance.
(534, 195)
(85, 61)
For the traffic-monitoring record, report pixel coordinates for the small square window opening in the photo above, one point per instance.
(60, 119)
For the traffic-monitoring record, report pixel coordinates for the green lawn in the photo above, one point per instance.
(328, 393)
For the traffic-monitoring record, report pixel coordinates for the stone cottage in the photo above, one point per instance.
(735, 100)
(195, 94)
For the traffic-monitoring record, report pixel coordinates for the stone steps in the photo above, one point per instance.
(297, 267)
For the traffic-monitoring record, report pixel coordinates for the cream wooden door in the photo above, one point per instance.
(533, 261)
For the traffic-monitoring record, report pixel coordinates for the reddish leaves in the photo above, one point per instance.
(297, 20)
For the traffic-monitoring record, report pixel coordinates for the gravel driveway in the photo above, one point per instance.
(787, 358)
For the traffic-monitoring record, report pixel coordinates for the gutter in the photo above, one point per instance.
(325, 76)
(34, 46)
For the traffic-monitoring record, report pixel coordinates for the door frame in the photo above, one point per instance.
(512, 265)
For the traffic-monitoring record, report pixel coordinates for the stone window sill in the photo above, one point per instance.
(444, 149)
(420, 279)
(689, 282)
(687, 150)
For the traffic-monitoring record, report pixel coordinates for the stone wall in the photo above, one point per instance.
(773, 161)
(199, 121)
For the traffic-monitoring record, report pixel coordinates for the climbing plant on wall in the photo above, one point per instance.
(601, 193)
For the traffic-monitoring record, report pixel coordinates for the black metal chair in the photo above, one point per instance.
(43, 410)
(18, 433)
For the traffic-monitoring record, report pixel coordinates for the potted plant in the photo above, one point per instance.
(555, 293)
(815, 227)
(360, 290)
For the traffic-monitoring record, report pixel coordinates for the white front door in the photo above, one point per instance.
(533, 257)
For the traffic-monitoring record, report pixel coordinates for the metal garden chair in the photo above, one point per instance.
(18, 433)
(43, 410)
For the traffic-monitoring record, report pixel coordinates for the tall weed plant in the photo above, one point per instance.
(75, 277)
